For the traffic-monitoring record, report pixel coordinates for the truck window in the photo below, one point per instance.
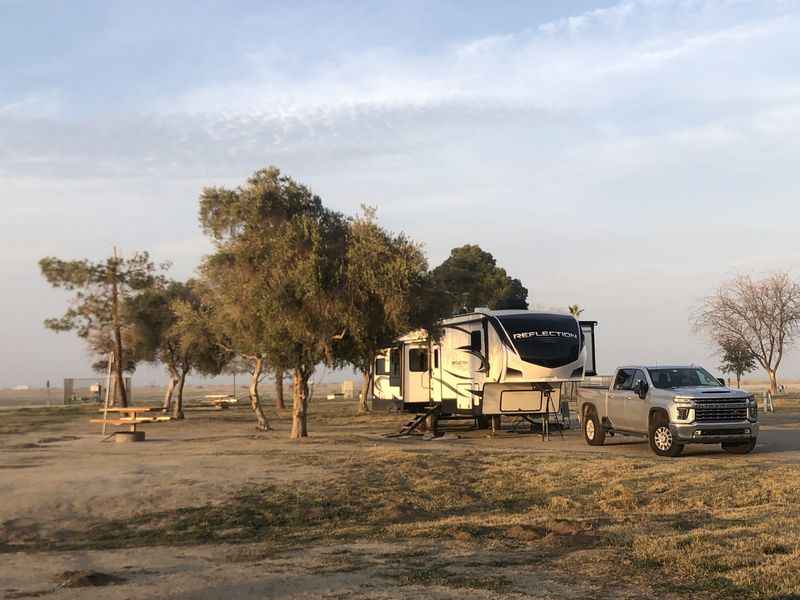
(638, 376)
(417, 360)
(624, 380)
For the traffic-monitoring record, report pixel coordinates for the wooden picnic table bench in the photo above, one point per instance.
(221, 400)
(131, 416)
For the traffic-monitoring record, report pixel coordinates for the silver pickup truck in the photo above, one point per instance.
(672, 406)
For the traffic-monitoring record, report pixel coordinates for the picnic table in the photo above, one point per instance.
(221, 400)
(130, 416)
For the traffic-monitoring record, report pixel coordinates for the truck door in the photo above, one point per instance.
(618, 395)
(636, 409)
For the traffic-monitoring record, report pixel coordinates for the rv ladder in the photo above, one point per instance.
(410, 427)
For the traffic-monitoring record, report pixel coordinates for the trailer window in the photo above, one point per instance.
(417, 360)
(475, 341)
(380, 366)
(436, 359)
(394, 368)
(545, 340)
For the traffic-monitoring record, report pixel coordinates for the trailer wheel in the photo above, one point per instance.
(662, 442)
(739, 447)
(593, 431)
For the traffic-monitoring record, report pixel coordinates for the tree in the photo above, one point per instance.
(276, 280)
(386, 276)
(575, 310)
(234, 320)
(196, 348)
(762, 315)
(470, 278)
(736, 358)
(172, 330)
(306, 300)
(96, 312)
(280, 375)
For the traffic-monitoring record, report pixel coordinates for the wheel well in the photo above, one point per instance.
(588, 408)
(656, 412)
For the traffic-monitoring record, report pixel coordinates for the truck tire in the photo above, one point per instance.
(662, 442)
(739, 447)
(593, 431)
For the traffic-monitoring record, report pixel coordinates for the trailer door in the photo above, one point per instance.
(416, 371)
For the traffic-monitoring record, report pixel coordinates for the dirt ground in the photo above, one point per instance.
(210, 508)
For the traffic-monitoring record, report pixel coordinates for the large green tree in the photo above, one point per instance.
(386, 280)
(470, 278)
(171, 329)
(96, 312)
(276, 279)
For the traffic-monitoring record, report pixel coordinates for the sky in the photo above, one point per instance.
(627, 157)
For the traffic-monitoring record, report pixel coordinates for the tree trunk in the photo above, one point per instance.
(173, 381)
(119, 362)
(280, 404)
(773, 381)
(177, 407)
(300, 405)
(739, 380)
(261, 420)
(363, 399)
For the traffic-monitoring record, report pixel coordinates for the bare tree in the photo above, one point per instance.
(763, 315)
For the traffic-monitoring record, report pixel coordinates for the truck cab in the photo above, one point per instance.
(670, 405)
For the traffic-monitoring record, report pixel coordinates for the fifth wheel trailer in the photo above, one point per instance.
(487, 363)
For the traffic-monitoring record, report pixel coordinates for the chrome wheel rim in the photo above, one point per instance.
(590, 429)
(662, 437)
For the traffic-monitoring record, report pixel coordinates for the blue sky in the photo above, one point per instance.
(628, 157)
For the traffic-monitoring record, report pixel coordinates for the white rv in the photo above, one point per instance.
(487, 363)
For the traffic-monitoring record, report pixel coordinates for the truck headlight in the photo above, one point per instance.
(752, 409)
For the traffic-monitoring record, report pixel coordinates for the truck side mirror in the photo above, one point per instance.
(641, 389)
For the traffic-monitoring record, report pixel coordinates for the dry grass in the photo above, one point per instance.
(715, 529)
(41, 420)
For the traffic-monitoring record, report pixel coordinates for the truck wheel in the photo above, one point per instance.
(739, 447)
(593, 431)
(662, 441)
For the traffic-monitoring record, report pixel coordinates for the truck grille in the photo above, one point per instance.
(720, 411)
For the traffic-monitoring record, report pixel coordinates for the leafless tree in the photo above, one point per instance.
(762, 314)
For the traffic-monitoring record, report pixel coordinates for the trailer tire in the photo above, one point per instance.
(662, 441)
(593, 431)
(739, 447)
